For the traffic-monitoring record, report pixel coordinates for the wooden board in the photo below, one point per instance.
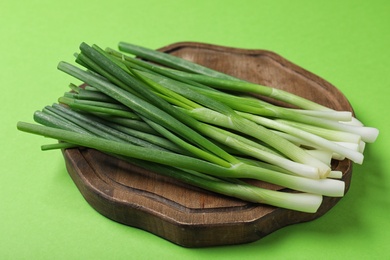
(189, 216)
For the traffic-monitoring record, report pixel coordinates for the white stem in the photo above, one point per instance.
(324, 156)
(337, 156)
(351, 146)
(353, 121)
(335, 174)
(325, 186)
(362, 146)
(344, 116)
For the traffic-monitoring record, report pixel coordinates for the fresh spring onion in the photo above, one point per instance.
(177, 120)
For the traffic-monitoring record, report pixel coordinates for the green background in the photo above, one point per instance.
(42, 214)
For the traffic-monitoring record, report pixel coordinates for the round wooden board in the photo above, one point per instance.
(189, 216)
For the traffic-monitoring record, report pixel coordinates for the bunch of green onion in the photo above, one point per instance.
(200, 126)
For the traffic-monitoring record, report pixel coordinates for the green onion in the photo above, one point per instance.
(179, 119)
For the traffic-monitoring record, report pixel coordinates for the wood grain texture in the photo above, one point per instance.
(186, 215)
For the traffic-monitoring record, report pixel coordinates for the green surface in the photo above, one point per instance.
(42, 214)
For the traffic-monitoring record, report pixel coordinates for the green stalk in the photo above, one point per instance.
(129, 123)
(84, 94)
(101, 107)
(103, 104)
(55, 146)
(74, 88)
